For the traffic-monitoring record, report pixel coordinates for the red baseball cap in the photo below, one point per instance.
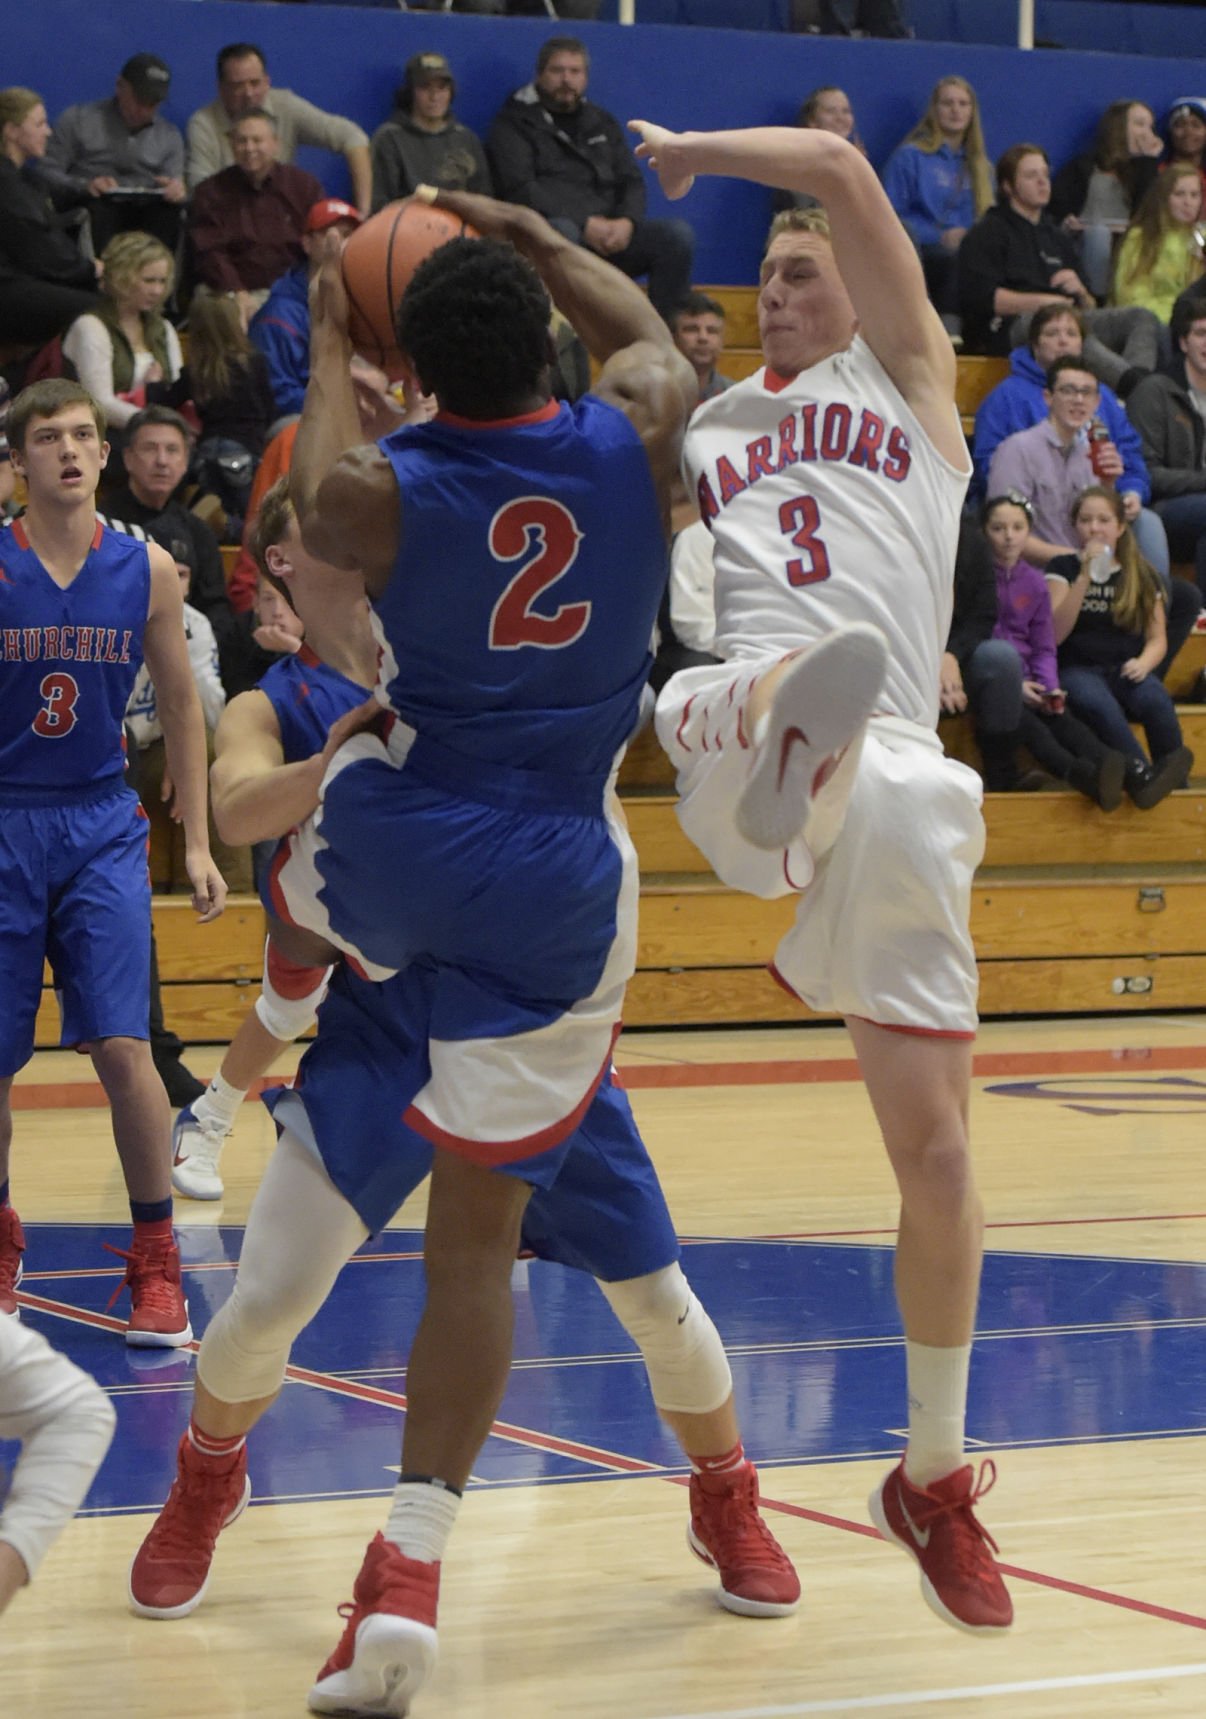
(325, 214)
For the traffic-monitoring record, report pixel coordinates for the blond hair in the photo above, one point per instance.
(927, 136)
(217, 342)
(798, 221)
(16, 104)
(126, 255)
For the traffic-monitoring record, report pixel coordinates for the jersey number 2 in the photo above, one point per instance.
(535, 523)
(57, 716)
(801, 518)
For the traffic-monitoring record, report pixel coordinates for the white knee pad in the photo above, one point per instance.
(287, 1018)
(684, 1357)
(244, 1358)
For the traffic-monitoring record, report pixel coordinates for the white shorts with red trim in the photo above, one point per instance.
(883, 866)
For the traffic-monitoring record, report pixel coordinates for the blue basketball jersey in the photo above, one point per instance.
(307, 696)
(518, 616)
(68, 659)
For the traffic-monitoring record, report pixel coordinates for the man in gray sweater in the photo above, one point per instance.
(422, 142)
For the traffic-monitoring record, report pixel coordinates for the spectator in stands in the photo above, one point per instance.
(244, 84)
(939, 181)
(827, 108)
(1161, 254)
(1187, 134)
(1015, 260)
(126, 346)
(246, 223)
(422, 142)
(45, 279)
(698, 329)
(979, 675)
(156, 456)
(102, 152)
(1096, 194)
(1056, 740)
(1169, 413)
(1108, 610)
(227, 381)
(556, 152)
(281, 327)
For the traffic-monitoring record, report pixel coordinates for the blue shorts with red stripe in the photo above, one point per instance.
(597, 1204)
(74, 891)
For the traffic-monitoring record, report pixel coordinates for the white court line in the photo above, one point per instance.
(971, 1692)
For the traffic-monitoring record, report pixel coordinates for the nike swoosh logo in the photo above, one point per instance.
(790, 738)
(682, 1316)
(921, 1535)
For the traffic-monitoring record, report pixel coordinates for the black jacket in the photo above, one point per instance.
(536, 162)
(1070, 187)
(33, 239)
(1004, 249)
(1170, 431)
(405, 156)
(975, 609)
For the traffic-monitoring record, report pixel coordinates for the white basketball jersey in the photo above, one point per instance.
(829, 503)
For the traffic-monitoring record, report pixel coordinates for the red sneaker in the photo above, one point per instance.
(388, 1649)
(937, 1526)
(12, 1246)
(170, 1572)
(757, 1578)
(158, 1312)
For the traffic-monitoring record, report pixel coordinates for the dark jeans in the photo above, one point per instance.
(33, 312)
(1056, 742)
(662, 250)
(992, 679)
(1109, 704)
(1184, 519)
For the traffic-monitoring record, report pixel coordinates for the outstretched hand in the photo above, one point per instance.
(663, 150)
(328, 295)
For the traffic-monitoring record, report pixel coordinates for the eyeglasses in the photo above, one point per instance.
(1070, 391)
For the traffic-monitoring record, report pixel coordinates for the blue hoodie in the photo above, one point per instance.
(281, 330)
(1017, 404)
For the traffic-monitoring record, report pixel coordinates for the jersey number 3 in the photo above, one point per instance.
(545, 536)
(801, 519)
(57, 716)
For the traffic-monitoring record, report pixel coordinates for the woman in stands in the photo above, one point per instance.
(45, 279)
(1161, 254)
(1108, 609)
(939, 181)
(827, 108)
(228, 382)
(1097, 194)
(126, 346)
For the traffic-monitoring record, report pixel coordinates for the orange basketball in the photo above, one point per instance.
(378, 262)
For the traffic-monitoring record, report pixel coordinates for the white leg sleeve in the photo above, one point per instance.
(300, 1233)
(64, 1422)
(684, 1357)
(290, 996)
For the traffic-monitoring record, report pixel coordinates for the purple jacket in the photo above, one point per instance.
(1024, 621)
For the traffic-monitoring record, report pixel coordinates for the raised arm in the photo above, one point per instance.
(874, 254)
(257, 796)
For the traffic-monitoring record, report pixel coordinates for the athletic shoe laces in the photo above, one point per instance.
(192, 1518)
(967, 1548)
(742, 1536)
(151, 1288)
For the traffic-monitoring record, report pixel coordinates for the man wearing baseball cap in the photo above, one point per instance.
(1187, 134)
(122, 157)
(281, 327)
(422, 143)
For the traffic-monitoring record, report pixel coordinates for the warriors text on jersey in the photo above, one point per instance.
(828, 503)
(68, 658)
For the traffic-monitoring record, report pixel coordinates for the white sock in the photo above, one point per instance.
(937, 1407)
(218, 1105)
(422, 1517)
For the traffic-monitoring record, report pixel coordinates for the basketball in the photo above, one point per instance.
(379, 260)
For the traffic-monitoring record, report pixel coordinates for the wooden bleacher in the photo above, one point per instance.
(1073, 910)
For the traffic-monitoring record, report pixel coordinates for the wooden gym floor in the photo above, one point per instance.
(569, 1590)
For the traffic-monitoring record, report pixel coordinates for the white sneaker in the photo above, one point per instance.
(818, 708)
(196, 1149)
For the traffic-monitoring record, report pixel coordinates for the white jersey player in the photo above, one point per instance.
(807, 760)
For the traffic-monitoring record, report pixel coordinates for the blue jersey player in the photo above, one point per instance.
(80, 608)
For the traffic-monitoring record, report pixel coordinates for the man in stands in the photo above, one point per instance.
(422, 142)
(1169, 412)
(698, 329)
(122, 143)
(246, 223)
(281, 326)
(554, 151)
(1015, 260)
(243, 84)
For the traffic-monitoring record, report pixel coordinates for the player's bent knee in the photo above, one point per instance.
(243, 1356)
(684, 1357)
(287, 1018)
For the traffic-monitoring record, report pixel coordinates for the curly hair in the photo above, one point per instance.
(125, 257)
(474, 322)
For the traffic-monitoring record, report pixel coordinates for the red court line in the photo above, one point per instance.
(998, 1224)
(618, 1464)
(87, 1094)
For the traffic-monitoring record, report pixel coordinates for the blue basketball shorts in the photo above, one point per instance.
(516, 897)
(74, 891)
(597, 1204)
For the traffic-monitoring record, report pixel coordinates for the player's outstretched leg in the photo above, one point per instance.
(819, 703)
(937, 1526)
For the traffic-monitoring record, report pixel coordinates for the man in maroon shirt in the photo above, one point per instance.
(246, 222)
